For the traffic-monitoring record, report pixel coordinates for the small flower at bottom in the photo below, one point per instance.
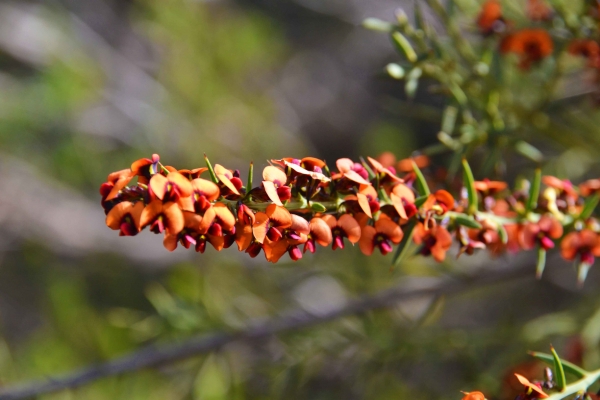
(382, 235)
(319, 233)
(585, 244)
(532, 45)
(473, 396)
(125, 217)
(436, 240)
(344, 227)
(543, 232)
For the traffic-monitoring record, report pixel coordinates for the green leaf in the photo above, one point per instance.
(503, 234)
(541, 263)
(213, 176)
(250, 176)
(377, 25)
(467, 221)
(559, 371)
(449, 119)
(404, 46)
(403, 247)
(410, 88)
(419, 20)
(529, 151)
(567, 366)
(589, 206)
(422, 186)
(469, 182)
(534, 191)
(420, 200)
(317, 207)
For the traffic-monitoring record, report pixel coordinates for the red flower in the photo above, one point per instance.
(532, 45)
(490, 19)
(585, 244)
(382, 235)
(538, 10)
(541, 233)
(345, 227)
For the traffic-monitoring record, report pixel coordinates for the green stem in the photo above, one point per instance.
(577, 386)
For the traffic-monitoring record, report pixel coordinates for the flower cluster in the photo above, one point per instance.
(301, 204)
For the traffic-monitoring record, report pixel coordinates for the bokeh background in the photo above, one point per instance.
(88, 86)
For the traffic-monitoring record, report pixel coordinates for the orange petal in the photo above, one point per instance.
(260, 227)
(186, 203)
(183, 184)
(364, 204)
(569, 246)
(218, 242)
(120, 179)
(350, 226)
(117, 213)
(401, 190)
(366, 240)
(313, 162)
(355, 177)
(299, 225)
(330, 221)
(206, 188)
(138, 165)
(150, 212)
(225, 180)
(170, 241)
(390, 229)
(243, 236)
(382, 170)
(445, 198)
(221, 170)
(320, 231)
(344, 165)
(429, 203)
(207, 219)
(525, 382)
(275, 175)
(279, 215)
(275, 250)
(174, 222)
(363, 219)
(158, 184)
(225, 216)
(272, 192)
(191, 220)
(315, 175)
(397, 203)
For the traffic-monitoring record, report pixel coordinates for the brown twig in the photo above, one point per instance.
(154, 356)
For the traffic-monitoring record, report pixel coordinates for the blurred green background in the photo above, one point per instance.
(88, 86)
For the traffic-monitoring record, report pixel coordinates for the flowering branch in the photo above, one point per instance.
(154, 356)
(303, 203)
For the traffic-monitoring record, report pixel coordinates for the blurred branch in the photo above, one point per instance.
(154, 356)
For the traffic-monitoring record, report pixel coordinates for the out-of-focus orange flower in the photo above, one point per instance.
(490, 188)
(563, 185)
(382, 235)
(387, 159)
(490, 19)
(541, 233)
(319, 232)
(473, 396)
(405, 165)
(532, 45)
(531, 389)
(587, 48)
(125, 217)
(589, 187)
(344, 227)
(436, 240)
(271, 223)
(162, 217)
(386, 173)
(585, 244)
(538, 10)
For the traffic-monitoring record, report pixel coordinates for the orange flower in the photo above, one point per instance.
(117, 181)
(530, 388)
(274, 181)
(345, 227)
(382, 235)
(319, 232)
(403, 201)
(125, 217)
(436, 240)
(541, 233)
(585, 243)
(386, 174)
(144, 168)
(218, 221)
(192, 173)
(229, 179)
(532, 45)
(162, 217)
(538, 10)
(387, 159)
(293, 236)
(243, 236)
(405, 165)
(355, 172)
(589, 187)
(245, 215)
(490, 18)
(473, 396)
(170, 188)
(490, 188)
(270, 224)
(308, 166)
(562, 185)
(203, 193)
(366, 199)
(187, 236)
(586, 48)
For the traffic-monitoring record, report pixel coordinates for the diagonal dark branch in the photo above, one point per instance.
(154, 356)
